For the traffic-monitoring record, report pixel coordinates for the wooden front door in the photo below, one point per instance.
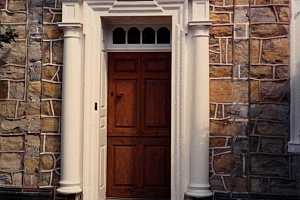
(139, 106)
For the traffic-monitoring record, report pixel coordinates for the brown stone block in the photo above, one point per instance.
(16, 17)
(241, 31)
(52, 144)
(216, 2)
(217, 142)
(262, 14)
(34, 124)
(46, 52)
(236, 111)
(221, 31)
(277, 112)
(45, 179)
(34, 51)
(52, 73)
(14, 53)
(57, 107)
(224, 163)
(243, 2)
(52, 32)
(13, 126)
(272, 145)
(216, 183)
(6, 179)
(269, 30)
(221, 90)
(30, 180)
(281, 2)
(269, 128)
(11, 143)
(276, 51)
(241, 52)
(277, 91)
(226, 49)
(236, 184)
(269, 165)
(46, 108)
(220, 18)
(214, 57)
(31, 165)
(34, 91)
(47, 161)
(57, 52)
(224, 128)
(254, 91)
(16, 5)
(32, 145)
(10, 161)
(51, 124)
(17, 90)
(241, 14)
(12, 72)
(261, 72)
(51, 90)
(282, 72)
(220, 71)
(255, 51)
(8, 108)
(4, 89)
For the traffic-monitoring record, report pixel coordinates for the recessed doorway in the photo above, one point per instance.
(139, 125)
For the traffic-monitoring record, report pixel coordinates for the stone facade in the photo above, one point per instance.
(249, 87)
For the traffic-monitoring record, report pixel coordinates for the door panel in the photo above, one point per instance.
(139, 110)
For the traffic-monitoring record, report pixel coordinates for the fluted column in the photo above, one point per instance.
(71, 136)
(199, 144)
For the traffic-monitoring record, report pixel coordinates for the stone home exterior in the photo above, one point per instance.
(249, 87)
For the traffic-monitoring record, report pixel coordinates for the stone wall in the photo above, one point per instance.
(30, 95)
(249, 94)
(249, 85)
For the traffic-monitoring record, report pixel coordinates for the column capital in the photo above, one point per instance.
(200, 28)
(71, 29)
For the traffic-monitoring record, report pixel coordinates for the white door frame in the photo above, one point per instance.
(84, 17)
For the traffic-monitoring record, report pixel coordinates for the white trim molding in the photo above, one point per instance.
(189, 24)
(294, 143)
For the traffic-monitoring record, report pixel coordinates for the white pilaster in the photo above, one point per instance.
(199, 145)
(71, 154)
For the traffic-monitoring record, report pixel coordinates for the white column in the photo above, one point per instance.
(71, 136)
(199, 145)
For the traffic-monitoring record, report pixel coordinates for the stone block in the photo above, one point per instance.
(254, 91)
(50, 124)
(261, 72)
(30, 180)
(224, 128)
(5, 179)
(282, 72)
(278, 91)
(221, 31)
(11, 161)
(255, 51)
(12, 72)
(16, 17)
(214, 57)
(31, 165)
(8, 108)
(13, 126)
(14, 53)
(52, 143)
(217, 142)
(16, 5)
(269, 128)
(236, 184)
(45, 179)
(275, 112)
(284, 186)
(241, 52)
(52, 73)
(57, 52)
(11, 143)
(216, 183)
(241, 15)
(4, 89)
(34, 51)
(276, 51)
(17, 90)
(269, 30)
(47, 161)
(46, 52)
(283, 13)
(32, 145)
(262, 14)
(224, 163)
(269, 165)
(52, 31)
(34, 124)
(259, 185)
(272, 145)
(51, 90)
(217, 71)
(220, 18)
(34, 91)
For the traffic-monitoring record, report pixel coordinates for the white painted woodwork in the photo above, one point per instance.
(187, 52)
(294, 143)
(71, 155)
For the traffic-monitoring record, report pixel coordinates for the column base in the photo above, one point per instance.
(198, 191)
(69, 188)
